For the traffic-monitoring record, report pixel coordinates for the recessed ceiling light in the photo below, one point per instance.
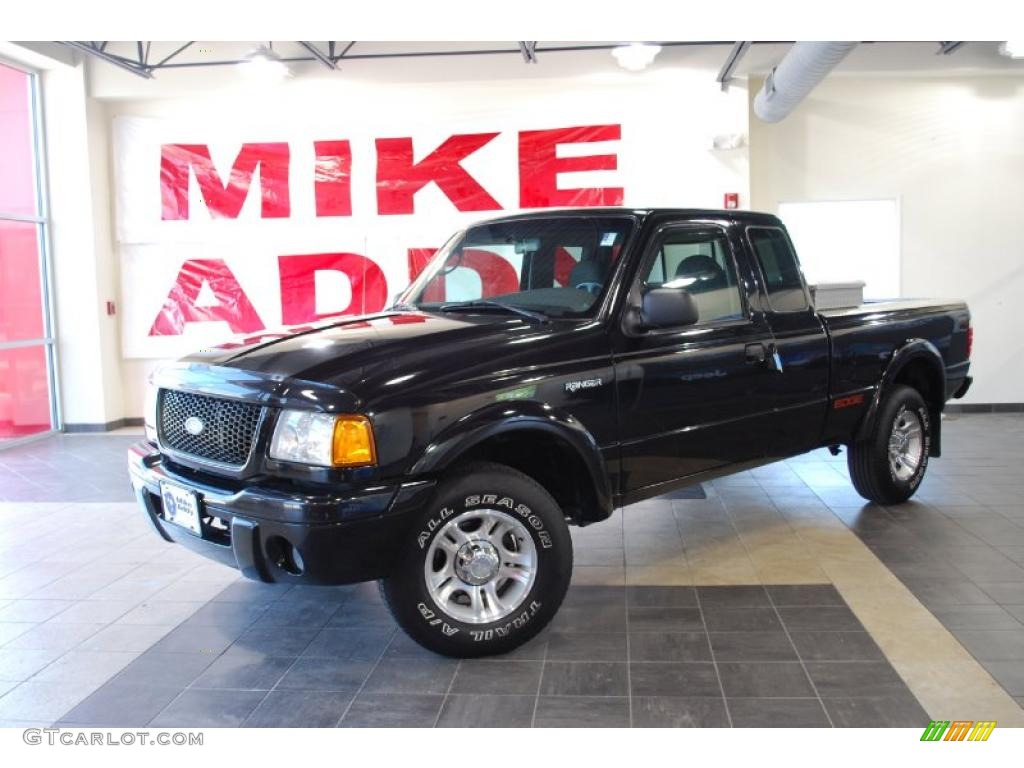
(635, 56)
(1015, 50)
(265, 65)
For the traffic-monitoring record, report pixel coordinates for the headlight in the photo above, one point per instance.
(149, 411)
(323, 440)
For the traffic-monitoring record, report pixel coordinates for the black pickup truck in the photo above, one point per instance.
(543, 370)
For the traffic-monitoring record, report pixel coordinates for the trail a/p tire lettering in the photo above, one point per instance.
(434, 620)
(515, 622)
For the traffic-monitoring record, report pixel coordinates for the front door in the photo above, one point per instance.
(693, 398)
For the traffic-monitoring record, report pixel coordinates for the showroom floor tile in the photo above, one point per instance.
(779, 598)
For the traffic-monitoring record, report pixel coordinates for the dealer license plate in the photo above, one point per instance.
(181, 507)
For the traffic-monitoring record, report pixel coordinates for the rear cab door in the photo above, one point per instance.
(799, 388)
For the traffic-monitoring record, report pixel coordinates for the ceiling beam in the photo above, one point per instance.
(949, 47)
(529, 51)
(116, 61)
(738, 51)
(318, 55)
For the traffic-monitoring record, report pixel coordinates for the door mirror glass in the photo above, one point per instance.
(667, 308)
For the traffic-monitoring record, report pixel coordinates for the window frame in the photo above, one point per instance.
(42, 222)
(759, 271)
(655, 242)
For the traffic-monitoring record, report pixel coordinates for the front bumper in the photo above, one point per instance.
(340, 537)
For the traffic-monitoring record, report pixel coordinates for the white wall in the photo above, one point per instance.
(84, 274)
(952, 151)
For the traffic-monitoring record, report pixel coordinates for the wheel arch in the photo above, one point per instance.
(919, 365)
(548, 445)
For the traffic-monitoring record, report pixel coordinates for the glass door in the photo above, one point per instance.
(27, 403)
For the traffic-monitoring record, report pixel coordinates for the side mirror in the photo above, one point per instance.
(667, 308)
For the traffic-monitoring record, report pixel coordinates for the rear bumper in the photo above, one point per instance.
(339, 538)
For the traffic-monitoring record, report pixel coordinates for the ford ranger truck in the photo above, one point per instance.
(542, 371)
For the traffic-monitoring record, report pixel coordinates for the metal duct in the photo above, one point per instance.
(801, 69)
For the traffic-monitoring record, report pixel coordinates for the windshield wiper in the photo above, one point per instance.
(458, 306)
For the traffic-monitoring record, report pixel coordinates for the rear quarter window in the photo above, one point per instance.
(783, 280)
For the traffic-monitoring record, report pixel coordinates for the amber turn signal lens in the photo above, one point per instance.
(353, 442)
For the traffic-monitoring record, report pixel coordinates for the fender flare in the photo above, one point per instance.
(503, 418)
(911, 350)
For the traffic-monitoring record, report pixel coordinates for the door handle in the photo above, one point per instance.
(763, 354)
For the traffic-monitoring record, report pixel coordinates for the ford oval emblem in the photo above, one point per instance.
(194, 425)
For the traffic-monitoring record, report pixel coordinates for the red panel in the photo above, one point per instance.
(21, 300)
(24, 392)
(17, 154)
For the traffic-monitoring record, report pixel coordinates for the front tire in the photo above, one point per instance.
(486, 566)
(887, 467)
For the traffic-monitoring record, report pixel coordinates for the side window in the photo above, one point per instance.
(699, 263)
(780, 268)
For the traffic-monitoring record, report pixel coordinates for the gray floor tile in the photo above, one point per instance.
(21, 664)
(761, 680)
(164, 670)
(590, 618)
(805, 594)
(273, 642)
(836, 646)
(299, 709)
(309, 613)
(834, 619)
(752, 646)
(665, 620)
(386, 710)
(323, 674)
(36, 700)
(1004, 592)
(976, 617)
(360, 615)
(350, 644)
(894, 711)
(430, 676)
(732, 597)
(121, 706)
(836, 679)
(777, 713)
(481, 676)
(669, 646)
(757, 618)
(993, 644)
(188, 638)
(586, 646)
(486, 711)
(581, 712)
(208, 709)
(58, 637)
(584, 678)
(677, 712)
(244, 670)
(662, 597)
(673, 679)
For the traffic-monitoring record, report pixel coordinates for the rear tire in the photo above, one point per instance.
(486, 566)
(888, 465)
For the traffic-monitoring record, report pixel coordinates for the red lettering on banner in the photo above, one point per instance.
(298, 285)
(539, 166)
(332, 178)
(399, 178)
(224, 200)
(232, 307)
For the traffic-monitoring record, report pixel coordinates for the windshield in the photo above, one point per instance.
(556, 266)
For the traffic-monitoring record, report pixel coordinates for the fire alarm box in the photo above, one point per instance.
(732, 200)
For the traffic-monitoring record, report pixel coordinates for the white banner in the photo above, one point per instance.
(228, 225)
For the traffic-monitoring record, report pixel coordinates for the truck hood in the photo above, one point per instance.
(356, 349)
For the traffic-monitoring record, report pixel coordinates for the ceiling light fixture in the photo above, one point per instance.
(264, 65)
(635, 56)
(1012, 49)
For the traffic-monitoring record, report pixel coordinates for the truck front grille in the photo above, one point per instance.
(209, 428)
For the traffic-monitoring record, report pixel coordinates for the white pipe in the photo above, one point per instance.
(801, 69)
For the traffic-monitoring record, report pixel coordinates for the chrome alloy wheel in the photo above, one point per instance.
(481, 566)
(906, 445)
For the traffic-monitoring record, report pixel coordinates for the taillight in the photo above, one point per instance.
(970, 340)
